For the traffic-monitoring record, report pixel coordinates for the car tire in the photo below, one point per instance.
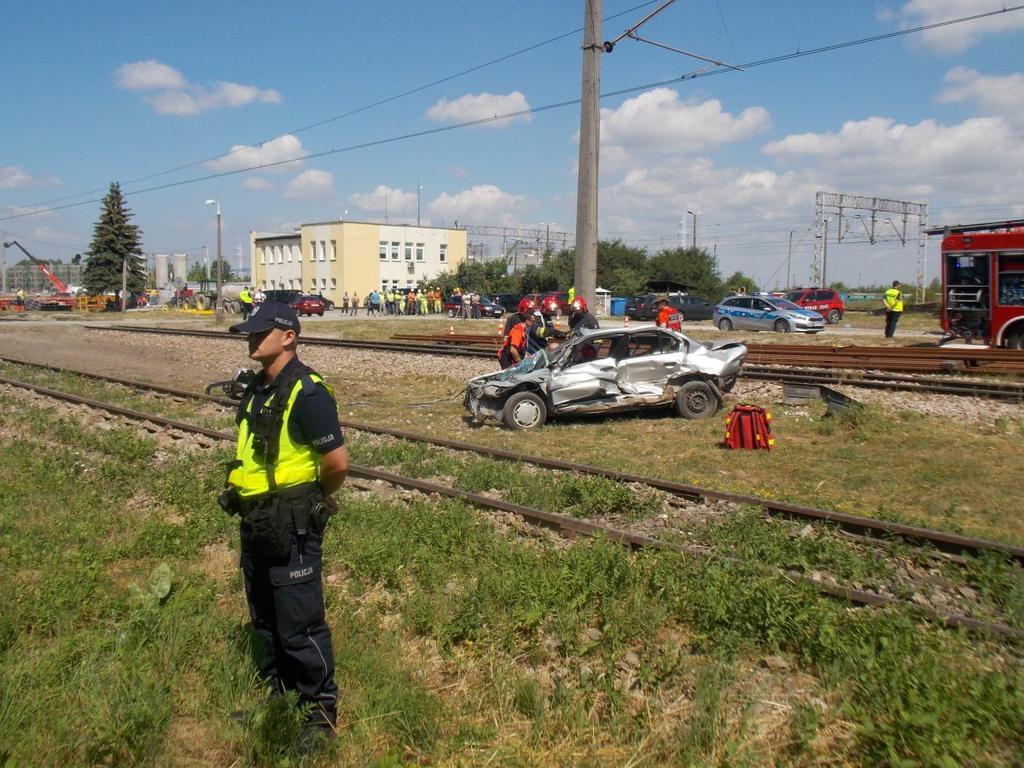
(781, 326)
(696, 400)
(524, 410)
(833, 316)
(725, 324)
(1014, 340)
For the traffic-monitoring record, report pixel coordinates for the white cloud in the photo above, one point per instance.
(280, 150)
(957, 37)
(656, 122)
(982, 155)
(480, 106)
(15, 177)
(383, 199)
(483, 203)
(50, 235)
(998, 95)
(313, 184)
(255, 182)
(149, 75)
(35, 211)
(177, 96)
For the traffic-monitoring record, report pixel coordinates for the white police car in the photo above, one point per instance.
(760, 313)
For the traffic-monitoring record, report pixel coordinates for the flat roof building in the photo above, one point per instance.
(339, 257)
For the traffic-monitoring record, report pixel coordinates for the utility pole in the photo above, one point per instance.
(124, 283)
(3, 260)
(824, 253)
(590, 139)
(789, 259)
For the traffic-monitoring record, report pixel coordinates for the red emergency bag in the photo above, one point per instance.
(748, 427)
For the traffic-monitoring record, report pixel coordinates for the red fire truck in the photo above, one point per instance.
(983, 282)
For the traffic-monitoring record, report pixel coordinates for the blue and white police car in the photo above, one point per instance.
(763, 313)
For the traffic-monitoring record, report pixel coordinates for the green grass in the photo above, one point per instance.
(456, 644)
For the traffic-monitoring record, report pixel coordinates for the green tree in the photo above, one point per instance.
(620, 268)
(693, 266)
(737, 282)
(115, 241)
(197, 272)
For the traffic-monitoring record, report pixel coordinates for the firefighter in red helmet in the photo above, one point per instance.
(580, 318)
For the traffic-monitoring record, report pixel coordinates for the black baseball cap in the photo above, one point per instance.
(269, 314)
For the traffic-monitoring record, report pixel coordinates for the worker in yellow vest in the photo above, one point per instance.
(893, 308)
(245, 300)
(290, 457)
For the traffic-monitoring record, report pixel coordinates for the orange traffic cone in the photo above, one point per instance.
(501, 327)
(451, 330)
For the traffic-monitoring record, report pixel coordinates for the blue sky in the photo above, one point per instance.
(124, 90)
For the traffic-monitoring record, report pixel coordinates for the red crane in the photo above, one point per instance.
(61, 288)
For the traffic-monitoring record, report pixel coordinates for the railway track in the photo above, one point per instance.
(862, 526)
(562, 523)
(475, 345)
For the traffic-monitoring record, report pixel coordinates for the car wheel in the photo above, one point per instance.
(524, 410)
(725, 324)
(781, 326)
(696, 400)
(833, 316)
(1014, 340)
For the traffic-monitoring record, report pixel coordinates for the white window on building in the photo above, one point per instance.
(323, 250)
(408, 251)
(394, 283)
(296, 252)
(263, 284)
(334, 250)
(263, 254)
(288, 251)
(334, 283)
(419, 251)
(394, 251)
(312, 250)
(384, 285)
(444, 252)
(323, 282)
(312, 284)
(382, 250)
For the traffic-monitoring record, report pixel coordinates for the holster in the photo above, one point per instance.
(275, 518)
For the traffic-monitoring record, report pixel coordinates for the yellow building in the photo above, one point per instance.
(339, 257)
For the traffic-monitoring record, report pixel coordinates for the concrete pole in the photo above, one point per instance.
(3, 262)
(789, 258)
(219, 313)
(124, 283)
(824, 253)
(590, 140)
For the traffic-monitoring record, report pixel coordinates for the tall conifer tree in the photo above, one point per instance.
(114, 240)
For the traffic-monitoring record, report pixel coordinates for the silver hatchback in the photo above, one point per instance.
(756, 313)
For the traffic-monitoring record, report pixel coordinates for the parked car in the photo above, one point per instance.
(825, 301)
(282, 295)
(484, 307)
(602, 371)
(309, 305)
(756, 313)
(691, 307)
(510, 301)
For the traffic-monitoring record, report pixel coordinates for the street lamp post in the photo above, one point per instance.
(694, 228)
(219, 310)
(419, 188)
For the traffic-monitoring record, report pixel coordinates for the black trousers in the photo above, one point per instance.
(286, 605)
(891, 318)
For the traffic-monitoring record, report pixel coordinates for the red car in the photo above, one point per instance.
(484, 307)
(309, 305)
(825, 301)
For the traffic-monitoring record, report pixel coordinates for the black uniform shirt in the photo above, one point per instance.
(314, 417)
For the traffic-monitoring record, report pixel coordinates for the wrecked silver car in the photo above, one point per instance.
(602, 370)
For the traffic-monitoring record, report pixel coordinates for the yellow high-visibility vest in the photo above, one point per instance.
(296, 464)
(894, 300)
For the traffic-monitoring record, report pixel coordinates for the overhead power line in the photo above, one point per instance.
(537, 110)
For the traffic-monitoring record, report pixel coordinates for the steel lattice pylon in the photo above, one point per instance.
(838, 202)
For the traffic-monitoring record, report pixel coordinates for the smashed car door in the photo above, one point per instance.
(588, 371)
(650, 358)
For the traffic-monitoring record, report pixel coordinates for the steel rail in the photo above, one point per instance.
(383, 346)
(564, 523)
(864, 526)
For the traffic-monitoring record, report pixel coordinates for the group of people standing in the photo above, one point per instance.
(531, 329)
(395, 302)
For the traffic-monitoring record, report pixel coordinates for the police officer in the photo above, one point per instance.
(893, 301)
(289, 459)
